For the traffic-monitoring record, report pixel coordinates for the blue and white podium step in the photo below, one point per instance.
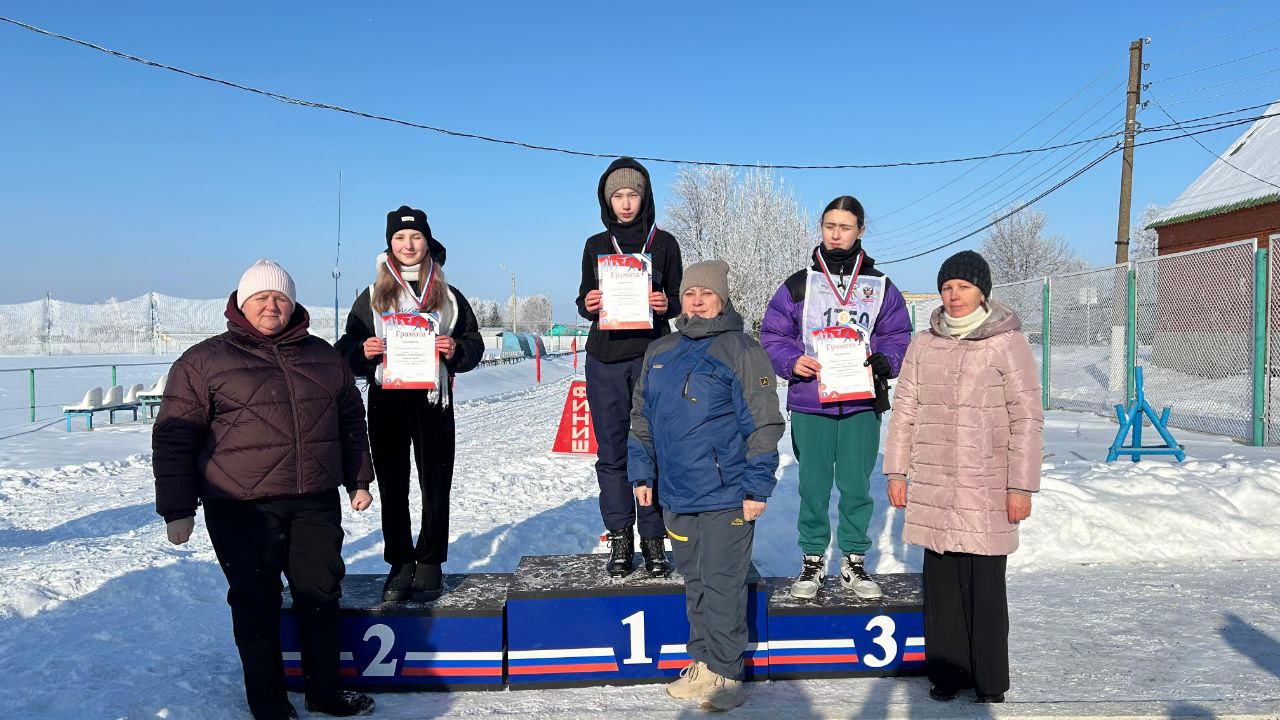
(838, 634)
(454, 642)
(570, 624)
(562, 621)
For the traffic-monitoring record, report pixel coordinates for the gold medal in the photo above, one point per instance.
(843, 317)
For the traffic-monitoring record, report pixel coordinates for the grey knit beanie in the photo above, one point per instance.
(710, 274)
(623, 177)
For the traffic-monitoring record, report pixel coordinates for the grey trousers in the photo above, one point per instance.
(713, 553)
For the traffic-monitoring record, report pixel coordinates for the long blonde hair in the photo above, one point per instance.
(386, 291)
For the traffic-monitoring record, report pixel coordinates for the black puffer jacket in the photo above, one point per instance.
(246, 416)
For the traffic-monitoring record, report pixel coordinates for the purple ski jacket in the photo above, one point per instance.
(780, 336)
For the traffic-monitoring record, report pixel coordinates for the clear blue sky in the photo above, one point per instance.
(118, 178)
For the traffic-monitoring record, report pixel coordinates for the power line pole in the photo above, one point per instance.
(1126, 165)
(1120, 371)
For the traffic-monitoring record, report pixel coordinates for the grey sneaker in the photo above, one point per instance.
(722, 693)
(853, 576)
(693, 680)
(811, 576)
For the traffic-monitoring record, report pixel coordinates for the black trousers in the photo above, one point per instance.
(966, 622)
(609, 389)
(255, 541)
(399, 419)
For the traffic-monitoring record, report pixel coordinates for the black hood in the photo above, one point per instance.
(631, 236)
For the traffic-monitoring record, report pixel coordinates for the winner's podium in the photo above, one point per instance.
(569, 624)
(451, 643)
(838, 634)
(562, 621)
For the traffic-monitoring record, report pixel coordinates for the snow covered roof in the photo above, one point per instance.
(1222, 188)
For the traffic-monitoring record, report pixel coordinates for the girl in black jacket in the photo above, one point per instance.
(410, 280)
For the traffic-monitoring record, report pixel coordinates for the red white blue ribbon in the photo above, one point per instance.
(843, 298)
(419, 298)
(647, 241)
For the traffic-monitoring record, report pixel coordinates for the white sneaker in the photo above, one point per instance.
(853, 576)
(723, 693)
(694, 679)
(811, 576)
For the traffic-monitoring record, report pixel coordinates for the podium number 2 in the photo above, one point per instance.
(636, 624)
(381, 666)
(884, 639)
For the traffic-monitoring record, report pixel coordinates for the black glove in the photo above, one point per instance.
(879, 365)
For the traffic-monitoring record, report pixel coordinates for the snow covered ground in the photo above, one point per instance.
(1140, 589)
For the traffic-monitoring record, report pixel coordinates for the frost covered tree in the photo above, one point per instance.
(1143, 239)
(1017, 248)
(488, 312)
(750, 220)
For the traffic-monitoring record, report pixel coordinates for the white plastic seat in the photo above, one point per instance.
(131, 395)
(92, 401)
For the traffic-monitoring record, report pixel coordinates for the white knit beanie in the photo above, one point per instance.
(264, 275)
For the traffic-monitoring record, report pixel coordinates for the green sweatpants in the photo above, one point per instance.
(843, 450)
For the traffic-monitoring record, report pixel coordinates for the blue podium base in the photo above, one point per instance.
(454, 642)
(570, 624)
(838, 634)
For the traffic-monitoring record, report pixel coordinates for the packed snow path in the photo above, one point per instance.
(1140, 590)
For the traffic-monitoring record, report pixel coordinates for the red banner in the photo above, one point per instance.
(576, 436)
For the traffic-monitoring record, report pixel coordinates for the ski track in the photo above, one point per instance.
(1140, 589)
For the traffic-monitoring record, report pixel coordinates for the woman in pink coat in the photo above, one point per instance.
(963, 457)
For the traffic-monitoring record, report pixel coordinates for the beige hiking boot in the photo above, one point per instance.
(694, 678)
(722, 693)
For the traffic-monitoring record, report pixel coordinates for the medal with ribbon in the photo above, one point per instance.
(647, 241)
(419, 298)
(844, 298)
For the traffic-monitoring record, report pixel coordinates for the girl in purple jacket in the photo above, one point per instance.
(836, 441)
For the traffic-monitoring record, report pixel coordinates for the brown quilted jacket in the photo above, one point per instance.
(246, 416)
(967, 428)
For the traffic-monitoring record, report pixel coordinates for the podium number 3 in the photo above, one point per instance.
(884, 639)
(636, 624)
(381, 666)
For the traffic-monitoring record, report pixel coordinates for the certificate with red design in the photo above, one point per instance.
(842, 352)
(411, 361)
(625, 282)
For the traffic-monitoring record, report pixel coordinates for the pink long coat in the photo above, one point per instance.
(967, 427)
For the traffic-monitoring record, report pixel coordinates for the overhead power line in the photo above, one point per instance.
(1061, 184)
(280, 97)
(1221, 158)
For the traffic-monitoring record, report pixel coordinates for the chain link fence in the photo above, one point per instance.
(1195, 337)
(1189, 319)
(1087, 349)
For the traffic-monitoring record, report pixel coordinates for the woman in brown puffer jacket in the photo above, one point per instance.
(968, 430)
(263, 423)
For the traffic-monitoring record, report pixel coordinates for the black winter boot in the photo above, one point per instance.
(342, 703)
(621, 552)
(427, 582)
(655, 557)
(399, 583)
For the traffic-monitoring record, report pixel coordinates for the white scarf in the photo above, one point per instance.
(962, 326)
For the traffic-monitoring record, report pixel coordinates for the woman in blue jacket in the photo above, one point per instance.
(705, 427)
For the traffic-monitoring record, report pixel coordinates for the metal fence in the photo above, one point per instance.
(1192, 320)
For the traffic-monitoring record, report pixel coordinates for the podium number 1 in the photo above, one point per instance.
(636, 624)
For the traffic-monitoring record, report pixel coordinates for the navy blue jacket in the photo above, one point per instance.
(705, 422)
